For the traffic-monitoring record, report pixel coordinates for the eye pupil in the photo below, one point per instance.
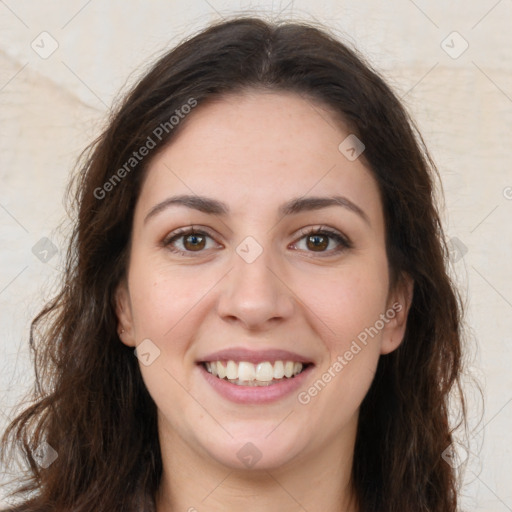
(318, 241)
(193, 239)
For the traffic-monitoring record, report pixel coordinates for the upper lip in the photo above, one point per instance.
(254, 356)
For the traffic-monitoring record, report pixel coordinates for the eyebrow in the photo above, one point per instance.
(294, 206)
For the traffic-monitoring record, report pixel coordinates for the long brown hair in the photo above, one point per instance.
(90, 404)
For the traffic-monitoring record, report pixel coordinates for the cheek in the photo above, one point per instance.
(346, 308)
(166, 308)
(345, 311)
(345, 301)
(162, 296)
(169, 306)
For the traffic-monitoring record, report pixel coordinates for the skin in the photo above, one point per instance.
(255, 151)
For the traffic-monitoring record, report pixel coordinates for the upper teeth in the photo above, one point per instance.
(245, 371)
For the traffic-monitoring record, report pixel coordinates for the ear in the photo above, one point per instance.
(398, 305)
(124, 315)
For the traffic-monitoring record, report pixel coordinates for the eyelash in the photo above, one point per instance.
(342, 241)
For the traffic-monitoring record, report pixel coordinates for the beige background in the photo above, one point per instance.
(52, 107)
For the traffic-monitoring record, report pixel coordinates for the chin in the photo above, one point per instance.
(254, 451)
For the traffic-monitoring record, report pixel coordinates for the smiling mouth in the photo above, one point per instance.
(245, 373)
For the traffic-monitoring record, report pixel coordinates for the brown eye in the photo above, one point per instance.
(322, 241)
(188, 241)
(194, 242)
(317, 242)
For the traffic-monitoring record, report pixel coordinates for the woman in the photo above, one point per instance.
(257, 225)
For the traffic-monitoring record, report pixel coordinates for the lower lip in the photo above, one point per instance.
(255, 394)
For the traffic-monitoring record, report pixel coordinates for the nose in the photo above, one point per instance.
(254, 294)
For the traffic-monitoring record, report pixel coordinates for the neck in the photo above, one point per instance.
(321, 481)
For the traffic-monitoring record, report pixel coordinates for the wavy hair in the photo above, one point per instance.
(90, 403)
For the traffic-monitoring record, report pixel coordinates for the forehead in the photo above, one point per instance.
(257, 150)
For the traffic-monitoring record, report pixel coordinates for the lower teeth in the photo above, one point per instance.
(255, 383)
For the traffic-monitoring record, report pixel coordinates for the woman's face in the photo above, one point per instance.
(256, 175)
